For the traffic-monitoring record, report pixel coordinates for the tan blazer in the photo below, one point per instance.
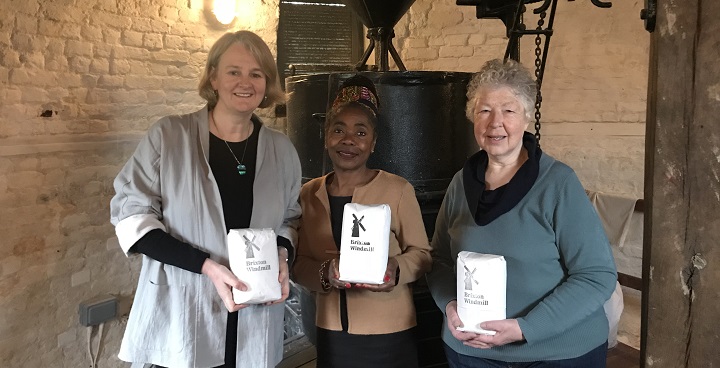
(368, 312)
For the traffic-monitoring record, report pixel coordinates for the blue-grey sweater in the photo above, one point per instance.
(560, 268)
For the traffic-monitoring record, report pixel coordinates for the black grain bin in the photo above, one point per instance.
(423, 134)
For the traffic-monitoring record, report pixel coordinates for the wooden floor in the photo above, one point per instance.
(298, 353)
(308, 365)
(627, 353)
(623, 356)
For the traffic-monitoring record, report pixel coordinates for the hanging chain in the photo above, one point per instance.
(538, 64)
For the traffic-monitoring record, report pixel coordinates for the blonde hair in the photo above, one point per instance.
(496, 74)
(259, 49)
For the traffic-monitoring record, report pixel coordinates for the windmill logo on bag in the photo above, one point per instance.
(469, 279)
(357, 225)
(249, 245)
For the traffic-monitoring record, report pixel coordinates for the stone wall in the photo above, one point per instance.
(81, 80)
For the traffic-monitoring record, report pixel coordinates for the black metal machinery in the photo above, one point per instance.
(380, 16)
(511, 13)
(423, 134)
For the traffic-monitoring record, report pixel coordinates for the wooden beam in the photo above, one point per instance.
(681, 256)
(630, 281)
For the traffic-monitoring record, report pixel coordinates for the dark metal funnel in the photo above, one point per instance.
(379, 13)
(380, 16)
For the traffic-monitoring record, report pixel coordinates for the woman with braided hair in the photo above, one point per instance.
(360, 325)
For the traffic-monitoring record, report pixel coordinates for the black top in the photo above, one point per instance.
(236, 192)
(337, 208)
(487, 205)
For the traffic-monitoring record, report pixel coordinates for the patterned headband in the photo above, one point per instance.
(358, 94)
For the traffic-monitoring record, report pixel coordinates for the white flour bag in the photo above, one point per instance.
(481, 283)
(254, 260)
(364, 243)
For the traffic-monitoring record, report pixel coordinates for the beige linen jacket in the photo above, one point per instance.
(177, 318)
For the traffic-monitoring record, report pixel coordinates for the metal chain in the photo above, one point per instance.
(538, 64)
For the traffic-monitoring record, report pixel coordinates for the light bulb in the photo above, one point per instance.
(224, 11)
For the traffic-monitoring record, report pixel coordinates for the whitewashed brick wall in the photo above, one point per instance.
(594, 89)
(102, 72)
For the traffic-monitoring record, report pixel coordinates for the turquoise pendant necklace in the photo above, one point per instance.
(242, 169)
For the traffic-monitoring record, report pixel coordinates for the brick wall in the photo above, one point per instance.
(594, 89)
(81, 80)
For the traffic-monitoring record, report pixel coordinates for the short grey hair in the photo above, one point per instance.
(497, 74)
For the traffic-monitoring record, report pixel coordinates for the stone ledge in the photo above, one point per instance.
(600, 130)
(64, 143)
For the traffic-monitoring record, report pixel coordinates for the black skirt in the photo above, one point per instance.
(339, 349)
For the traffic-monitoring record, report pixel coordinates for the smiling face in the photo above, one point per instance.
(350, 138)
(239, 80)
(499, 122)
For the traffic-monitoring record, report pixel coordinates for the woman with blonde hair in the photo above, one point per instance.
(192, 179)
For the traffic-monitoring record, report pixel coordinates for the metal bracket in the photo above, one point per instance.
(601, 4)
(649, 15)
(511, 14)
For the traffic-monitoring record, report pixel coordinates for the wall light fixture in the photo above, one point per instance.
(224, 11)
(221, 14)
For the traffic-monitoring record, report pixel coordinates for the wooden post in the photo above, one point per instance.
(681, 260)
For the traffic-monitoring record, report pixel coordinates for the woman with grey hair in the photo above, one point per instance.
(512, 200)
(192, 179)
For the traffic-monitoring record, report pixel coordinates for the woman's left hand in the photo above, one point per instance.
(283, 276)
(388, 281)
(506, 331)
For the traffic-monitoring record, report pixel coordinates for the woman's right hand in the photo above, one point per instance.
(224, 280)
(333, 273)
(453, 322)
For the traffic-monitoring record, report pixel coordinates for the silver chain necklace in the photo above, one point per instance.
(241, 168)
